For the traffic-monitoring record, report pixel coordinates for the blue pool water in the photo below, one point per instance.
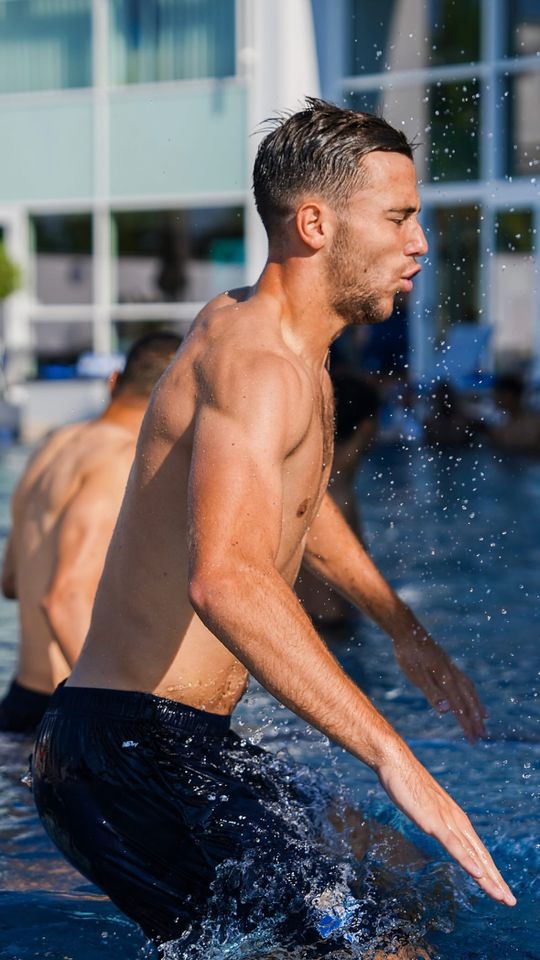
(457, 534)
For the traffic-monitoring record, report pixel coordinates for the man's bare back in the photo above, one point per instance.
(94, 456)
(63, 512)
(161, 645)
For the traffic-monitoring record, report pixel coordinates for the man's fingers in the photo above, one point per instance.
(468, 719)
(473, 700)
(442, 705)
(444, 701)
(466, 859)
(469, 851)
(445, 687)
(430, 807)
(460, 694)
(472, 715)
(449, 698)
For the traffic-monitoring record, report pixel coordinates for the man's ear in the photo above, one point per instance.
(113, 382)
(314, 224)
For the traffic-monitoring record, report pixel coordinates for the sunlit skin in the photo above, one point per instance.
(378, 240)
(64, 509)
(240, 431)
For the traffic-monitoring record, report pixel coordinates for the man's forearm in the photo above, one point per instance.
(270, 633)
(272, 636)
(334, 554)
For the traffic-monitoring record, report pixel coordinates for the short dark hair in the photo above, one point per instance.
(317, 150)
(146, 360)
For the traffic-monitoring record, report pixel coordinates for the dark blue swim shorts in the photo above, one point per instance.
(22, 709)
(181, 822)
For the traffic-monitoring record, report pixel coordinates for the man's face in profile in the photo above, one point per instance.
(377, 240)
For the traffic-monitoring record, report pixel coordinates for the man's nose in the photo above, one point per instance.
(417, 245)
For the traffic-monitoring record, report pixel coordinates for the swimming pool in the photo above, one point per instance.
(457, 534)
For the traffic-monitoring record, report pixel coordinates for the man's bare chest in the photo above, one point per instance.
(307, 470)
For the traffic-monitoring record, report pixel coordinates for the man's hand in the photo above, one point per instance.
(423, 800)
(446, 688)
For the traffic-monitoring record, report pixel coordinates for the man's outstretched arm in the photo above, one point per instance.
(334, 554)
(241, 442)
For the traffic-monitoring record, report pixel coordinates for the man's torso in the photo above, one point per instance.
(51, 480)
(145, 635)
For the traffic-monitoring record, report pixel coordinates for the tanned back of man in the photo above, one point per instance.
(63, 513)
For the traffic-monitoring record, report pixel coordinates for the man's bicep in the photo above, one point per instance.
(235, 493)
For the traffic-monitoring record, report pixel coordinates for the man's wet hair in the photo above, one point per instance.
(146, 360)
(317, 151)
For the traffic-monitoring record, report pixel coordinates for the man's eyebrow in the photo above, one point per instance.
(405, 210)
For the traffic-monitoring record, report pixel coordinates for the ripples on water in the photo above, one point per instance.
(457, 534)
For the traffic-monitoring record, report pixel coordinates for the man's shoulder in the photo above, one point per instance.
(235, 365)
(91, 448)
(47, 452)
(58, 437)
(240, 358)
(105, 447)
(236, 334)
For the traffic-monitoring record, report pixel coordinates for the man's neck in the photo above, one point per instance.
(308, 320)
(126, 412)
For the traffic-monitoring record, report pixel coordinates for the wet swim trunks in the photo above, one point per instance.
(22, 710)
(180, 821)
(199, 835)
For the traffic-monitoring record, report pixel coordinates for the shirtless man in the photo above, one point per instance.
(64, 509)
(137, 776)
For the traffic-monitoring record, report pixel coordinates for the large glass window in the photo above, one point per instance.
(407, 109)
(63, 258)
(514, 286)
(187, 255)
(442, 119)
(45, 44)
(153, 40)
(523, 28)
(514, 231)
(58, 345)
(522, 96)
(454, 114)
(402, 35)
(2, 331)
(455, 245)
(125, 332)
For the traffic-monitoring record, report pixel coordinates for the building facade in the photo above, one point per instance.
(127, 147)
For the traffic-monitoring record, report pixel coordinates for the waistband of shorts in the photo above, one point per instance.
(135, 705)
(33, 697)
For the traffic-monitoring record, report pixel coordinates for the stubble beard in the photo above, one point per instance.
(351, 299)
